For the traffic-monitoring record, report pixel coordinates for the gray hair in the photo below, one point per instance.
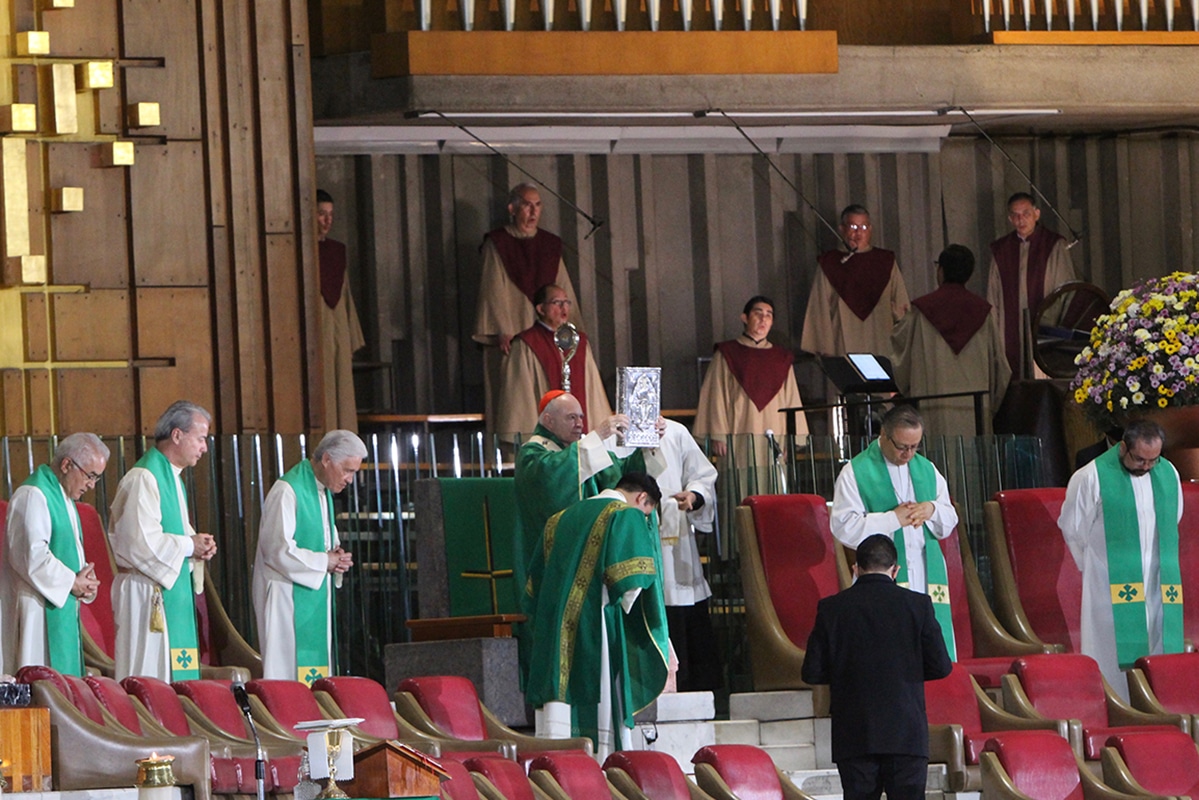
(516, 197)
(340, 445)
(1142, 430)
(904, 417)
(78, 446)
(182, 415)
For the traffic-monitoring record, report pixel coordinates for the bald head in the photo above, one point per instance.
(563, 417)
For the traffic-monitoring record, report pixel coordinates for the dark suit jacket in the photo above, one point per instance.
(876, 644)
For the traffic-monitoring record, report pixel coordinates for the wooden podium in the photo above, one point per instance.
(391, 769)
(25, 749)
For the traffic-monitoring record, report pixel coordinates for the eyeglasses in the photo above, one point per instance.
(561, 302)
(1147, 463)
(903, 448)
(92, 477)
(857, 228)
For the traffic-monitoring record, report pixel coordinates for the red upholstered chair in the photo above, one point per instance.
(1038, 588)
(92, 750)
(788, 562)
(1070, 687)
(570, 774)
(961, 717)
(362, 697)
(279, 705)
(733, 771)
(460, 785)
(448, 707)
(96, 618)
(1164, 763)
(1167, 684)
(1188, 559)
(209, 706)
(501, 779)
(650, 775)
(1040, 766)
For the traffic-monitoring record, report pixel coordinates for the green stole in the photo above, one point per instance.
(178, 601)
(1122, 533)
(311, 607)
(874, 486)
(64, 642)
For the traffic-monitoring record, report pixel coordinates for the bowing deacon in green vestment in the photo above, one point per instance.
(160, 557)
(598, 616)
(1120, 521)
(300, 561)
(891, 489)
(43, 573)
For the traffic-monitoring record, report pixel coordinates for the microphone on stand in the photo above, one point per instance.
(243, 702)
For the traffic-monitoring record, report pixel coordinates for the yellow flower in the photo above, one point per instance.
(1080, 395)
(1162, 402)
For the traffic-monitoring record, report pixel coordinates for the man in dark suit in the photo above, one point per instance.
(876, 644)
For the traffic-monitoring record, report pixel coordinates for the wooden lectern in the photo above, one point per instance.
(391, 769)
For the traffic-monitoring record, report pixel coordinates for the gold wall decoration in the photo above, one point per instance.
(91, 75)
(117, 154)
(59, 3)
(15, 173)
(66, 198)
(18, 118)
(33, 43)
(143, 115)
(66, 110)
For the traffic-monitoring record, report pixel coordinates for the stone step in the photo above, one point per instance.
(826, 783)
(738, 731)
(679, 739)
(771, 706)
(787, 731)
(792, 757)
(679, 707)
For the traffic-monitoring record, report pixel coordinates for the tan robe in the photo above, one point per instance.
(504, 309)
(926, 364)
(1058, 270)
(341, 336)
(525, 381)
(724, 408)
(830, 328)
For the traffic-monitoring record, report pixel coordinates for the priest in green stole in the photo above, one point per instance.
(598, 616)
(300, 561)
(43, 573)
(891, 489)
(1120, 521)
(159, 555)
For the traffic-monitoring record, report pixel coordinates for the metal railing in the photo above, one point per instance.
(1085, 14)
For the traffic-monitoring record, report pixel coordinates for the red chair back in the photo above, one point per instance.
(1040, 764)
(1188, 559)
(459, 786)
(1067, 686)
(31, 673)
(1164, 763)
(97, 617)
(951, 701)
(362, 697)
(1174, 678)
(576, 772)
(161, 701)
(963, 630)
(506, 776)
(451, 703)
(115, 699)
(798, 557)
(746, 770)
(1047, 579)
(290, 702)
(657, 774)
(215, 700)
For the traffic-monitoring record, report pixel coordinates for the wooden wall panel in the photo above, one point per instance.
(41, 402)
(92, 326)
(12, 397)
(170, 244)
(78, 390)
(89, 30)
(288, 365)
(39, 216)
(165, 29)
(37, 338)
(275, 117)
(91, 246)
(173, 323)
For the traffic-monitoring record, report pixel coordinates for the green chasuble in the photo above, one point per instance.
(595, 543)
(63, 640)
(1124, 567)
(311, 607)
(547, 481)
(178, 601)
(877, 492)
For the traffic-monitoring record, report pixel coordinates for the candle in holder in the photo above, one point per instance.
(155, 778)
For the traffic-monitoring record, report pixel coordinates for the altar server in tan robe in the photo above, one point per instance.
(534, 366)
(747, 383)
(341, 333)
(518, 259)
(857, 296)
(950, 342)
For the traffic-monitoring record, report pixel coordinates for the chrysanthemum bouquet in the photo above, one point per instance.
(1143, 355)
